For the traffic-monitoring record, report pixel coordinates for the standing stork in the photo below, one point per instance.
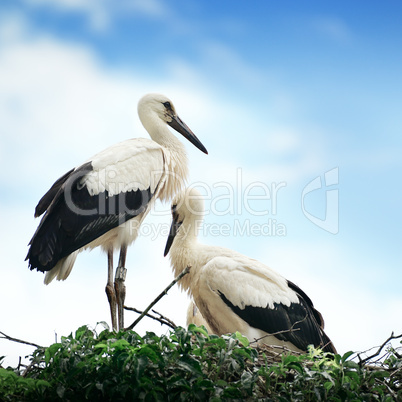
(104, 201)
(237, 293)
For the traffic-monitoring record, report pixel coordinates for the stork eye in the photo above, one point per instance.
(167, 105)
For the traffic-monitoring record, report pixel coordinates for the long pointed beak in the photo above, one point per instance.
(174, 228)
(178, 124)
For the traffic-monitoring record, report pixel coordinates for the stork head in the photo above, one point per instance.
(187, 214)
(156, 108)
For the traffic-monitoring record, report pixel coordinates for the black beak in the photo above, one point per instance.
(172, 233)
(178, 124)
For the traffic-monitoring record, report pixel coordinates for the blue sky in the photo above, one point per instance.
(278, 92)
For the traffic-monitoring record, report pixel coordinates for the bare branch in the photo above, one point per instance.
(10, 338)
(275, 333)
(276, 350)
(390, 338)
(163, 320)
(291, 329)
(162, 317)
(175, 280)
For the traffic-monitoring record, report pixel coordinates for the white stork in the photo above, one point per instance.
(104, 201)
(237, 293)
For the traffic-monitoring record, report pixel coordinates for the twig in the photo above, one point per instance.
(162, 317)
(163, 320)
(390, 338)
(273, 350)
(10, 338)
(291, 329)
(175, 280)
(276, 333)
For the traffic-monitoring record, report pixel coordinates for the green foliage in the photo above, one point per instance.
(192, 365)
(319, 376)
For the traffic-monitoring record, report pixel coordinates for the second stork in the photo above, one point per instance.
(237, 293)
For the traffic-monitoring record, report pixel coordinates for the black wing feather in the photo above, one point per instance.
(316, 313)
(75, 218)
(47, 199)
(296, 323)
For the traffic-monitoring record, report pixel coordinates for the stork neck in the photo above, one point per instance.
(183, 255)
(176, 163)
(161, 134)
(168, 140)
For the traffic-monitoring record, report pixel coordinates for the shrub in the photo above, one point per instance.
(192, 365)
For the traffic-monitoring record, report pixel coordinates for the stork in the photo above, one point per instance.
(103, 202)
(237, 293)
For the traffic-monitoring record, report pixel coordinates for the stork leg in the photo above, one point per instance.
(110, 292)
(120, 286)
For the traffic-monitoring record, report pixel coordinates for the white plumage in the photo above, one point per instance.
(237, 293)
(104, 201)
(126, 166)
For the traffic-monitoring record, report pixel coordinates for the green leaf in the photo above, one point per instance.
(380, 374)
(326, 375)
(244, 353)
(221, 343)
(81, 331)
(147, 350)
(287, 359)
(346, 356)
(190, 364)
(242, 339)
(101, 346)
(232, 392)
(120, 344)
(351, 364)
(40, 385)
(247, 380)
(202, 330)
(103, 324)
(296, 366)
(51, 350)
(353, 375)
(139, 367)
(60, 391)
